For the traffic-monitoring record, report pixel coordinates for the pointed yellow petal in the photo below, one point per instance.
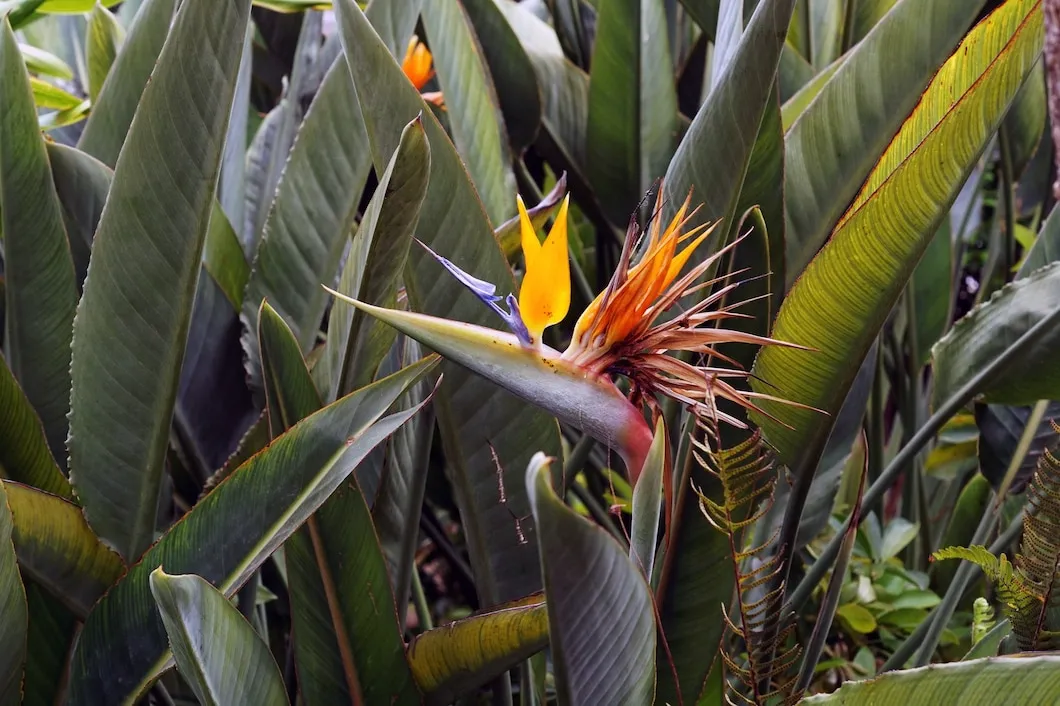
(544, 297)
(531, 245)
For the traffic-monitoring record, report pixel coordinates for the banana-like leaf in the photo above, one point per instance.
(796, 105)
(648, 501)
(597, 598)
(1046, 248)
(49, 640)
(394, 22)
(231, 186)
(714, 154)
(457, 658)
(82, 183)
(840, 302)
(836, 141)
(223, 659)
(453, 224)
(112, 114)
(230, 532)
(867, 14)
(13, 609)
(24, 453)
(357, 344)
(978, 682)
(1026, 120)
(223, 259)
(104, 40)
(147, 250)
(40, 288)
(342, 609)
(57, 549)
(989, 328)
(1000, 430)
(632, 103)
(475, 121)
(513, 75)
(310, 220)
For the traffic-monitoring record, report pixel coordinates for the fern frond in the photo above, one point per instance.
(1038, 561)
(760, 672)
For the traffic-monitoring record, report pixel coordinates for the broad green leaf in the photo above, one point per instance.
(648, 502)
(230, 532)
(50, 97)
(840, 302)
(596, 597)
(826, 18)
(980, 682)
(714, 154)
(475, 121)
(457, 658)
(61, 118)
(13, 609)
(82, 183)
(1026, 120)
(632, 104)
(315, 208)
(112, 114)
(857, 618)
(1000, 429)
(989, 328)
(704, 12)
(267, 155)
(341, 604)
(58, 550)
(930, 289)
(24, 453)
(989, 644)
(357, 343)
(147, 250)
(231, 184)
(223, 257)
(49, 640)
(453, 224)
(40, 286)
(833, 146)
(45, 63)
(394, 21)
(102, 43)
(867, 14)
(513, 73)
(216, 650)
(399, 499)
(1046, 248)
(795, 106)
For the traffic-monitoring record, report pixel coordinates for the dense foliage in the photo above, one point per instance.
(542, 351)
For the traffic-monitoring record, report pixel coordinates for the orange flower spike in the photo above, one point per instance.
(544, 297)
(417, 64)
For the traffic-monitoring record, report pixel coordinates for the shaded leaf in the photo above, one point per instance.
(13, 608)
(102, 43)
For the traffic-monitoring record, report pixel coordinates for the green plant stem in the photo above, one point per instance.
(940, 617)
(876, 426)
(900, 462)
(906, 649)
(849, 13)
(579, 455)
(1034, 419)
(419, 601)
(599, 514)
(1008, 198)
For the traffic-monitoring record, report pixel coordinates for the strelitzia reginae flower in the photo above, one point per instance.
(418, 66)
(622, 333)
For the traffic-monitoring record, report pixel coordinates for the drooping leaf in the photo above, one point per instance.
(455, 659)
(988, 329)
(24, 453)
(104, 40)
(39, 283)
(596, 596)
(976, 682)
(632, 103)
(82, 183)
(147, 250)
(44, 63)
(356, 343)
(833, 146)
(48, 96)
(475, 120)
(13, 609)
(216, 650)
(453, 224)
(57, 549)
(112, 114)
(230, 532)
(947, 131)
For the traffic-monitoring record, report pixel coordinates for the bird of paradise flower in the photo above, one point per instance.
(622, 333)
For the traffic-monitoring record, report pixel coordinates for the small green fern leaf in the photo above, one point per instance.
(760, 672)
